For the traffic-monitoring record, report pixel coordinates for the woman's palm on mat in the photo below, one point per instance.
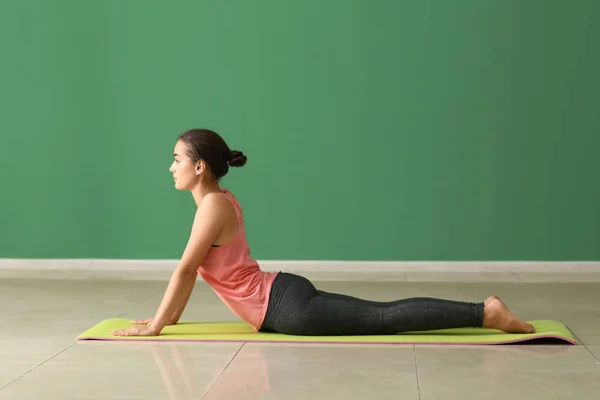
(148, 321)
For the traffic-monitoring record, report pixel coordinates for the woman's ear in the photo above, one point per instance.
(200, 166)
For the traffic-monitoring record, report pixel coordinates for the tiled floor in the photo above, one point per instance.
(42, 312)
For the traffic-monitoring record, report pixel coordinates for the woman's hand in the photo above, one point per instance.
(143, 330)
(149, 321)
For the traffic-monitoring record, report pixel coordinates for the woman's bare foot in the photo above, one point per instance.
(489, 299)
(497, 316)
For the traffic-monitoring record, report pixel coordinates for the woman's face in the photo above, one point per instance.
(185, 172)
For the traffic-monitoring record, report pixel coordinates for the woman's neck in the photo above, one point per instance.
(203, 189)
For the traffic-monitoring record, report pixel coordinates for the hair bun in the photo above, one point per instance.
(237, 159)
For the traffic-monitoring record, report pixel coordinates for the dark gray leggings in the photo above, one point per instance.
(296, 307)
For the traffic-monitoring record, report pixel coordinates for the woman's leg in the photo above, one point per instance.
(356, 316)
(297, 307)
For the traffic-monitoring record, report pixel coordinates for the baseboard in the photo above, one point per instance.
(316, 265)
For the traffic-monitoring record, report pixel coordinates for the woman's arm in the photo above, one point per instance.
(209, 221)
(172, 300)
(181, 306)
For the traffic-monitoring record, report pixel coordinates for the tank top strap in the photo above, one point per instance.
(234, 201)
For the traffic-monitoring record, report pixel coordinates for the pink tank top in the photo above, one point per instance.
(236, 277)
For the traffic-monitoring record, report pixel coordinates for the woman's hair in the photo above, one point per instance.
(204, 144)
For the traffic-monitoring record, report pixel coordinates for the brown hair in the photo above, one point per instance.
(204, 144)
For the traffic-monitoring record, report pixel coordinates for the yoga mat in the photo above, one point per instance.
(191, 331)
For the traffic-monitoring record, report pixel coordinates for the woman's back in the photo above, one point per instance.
(236, 277)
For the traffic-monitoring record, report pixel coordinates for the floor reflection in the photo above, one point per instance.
(180, 381)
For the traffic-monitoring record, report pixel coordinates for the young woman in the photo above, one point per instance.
(218, 251)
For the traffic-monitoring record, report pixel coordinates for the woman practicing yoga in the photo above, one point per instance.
(276, 301)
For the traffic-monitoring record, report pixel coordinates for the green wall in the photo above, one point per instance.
(375, 130)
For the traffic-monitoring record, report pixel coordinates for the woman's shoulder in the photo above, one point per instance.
(218, 201)
(222, 202)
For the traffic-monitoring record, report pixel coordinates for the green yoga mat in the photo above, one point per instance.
(241, 332)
